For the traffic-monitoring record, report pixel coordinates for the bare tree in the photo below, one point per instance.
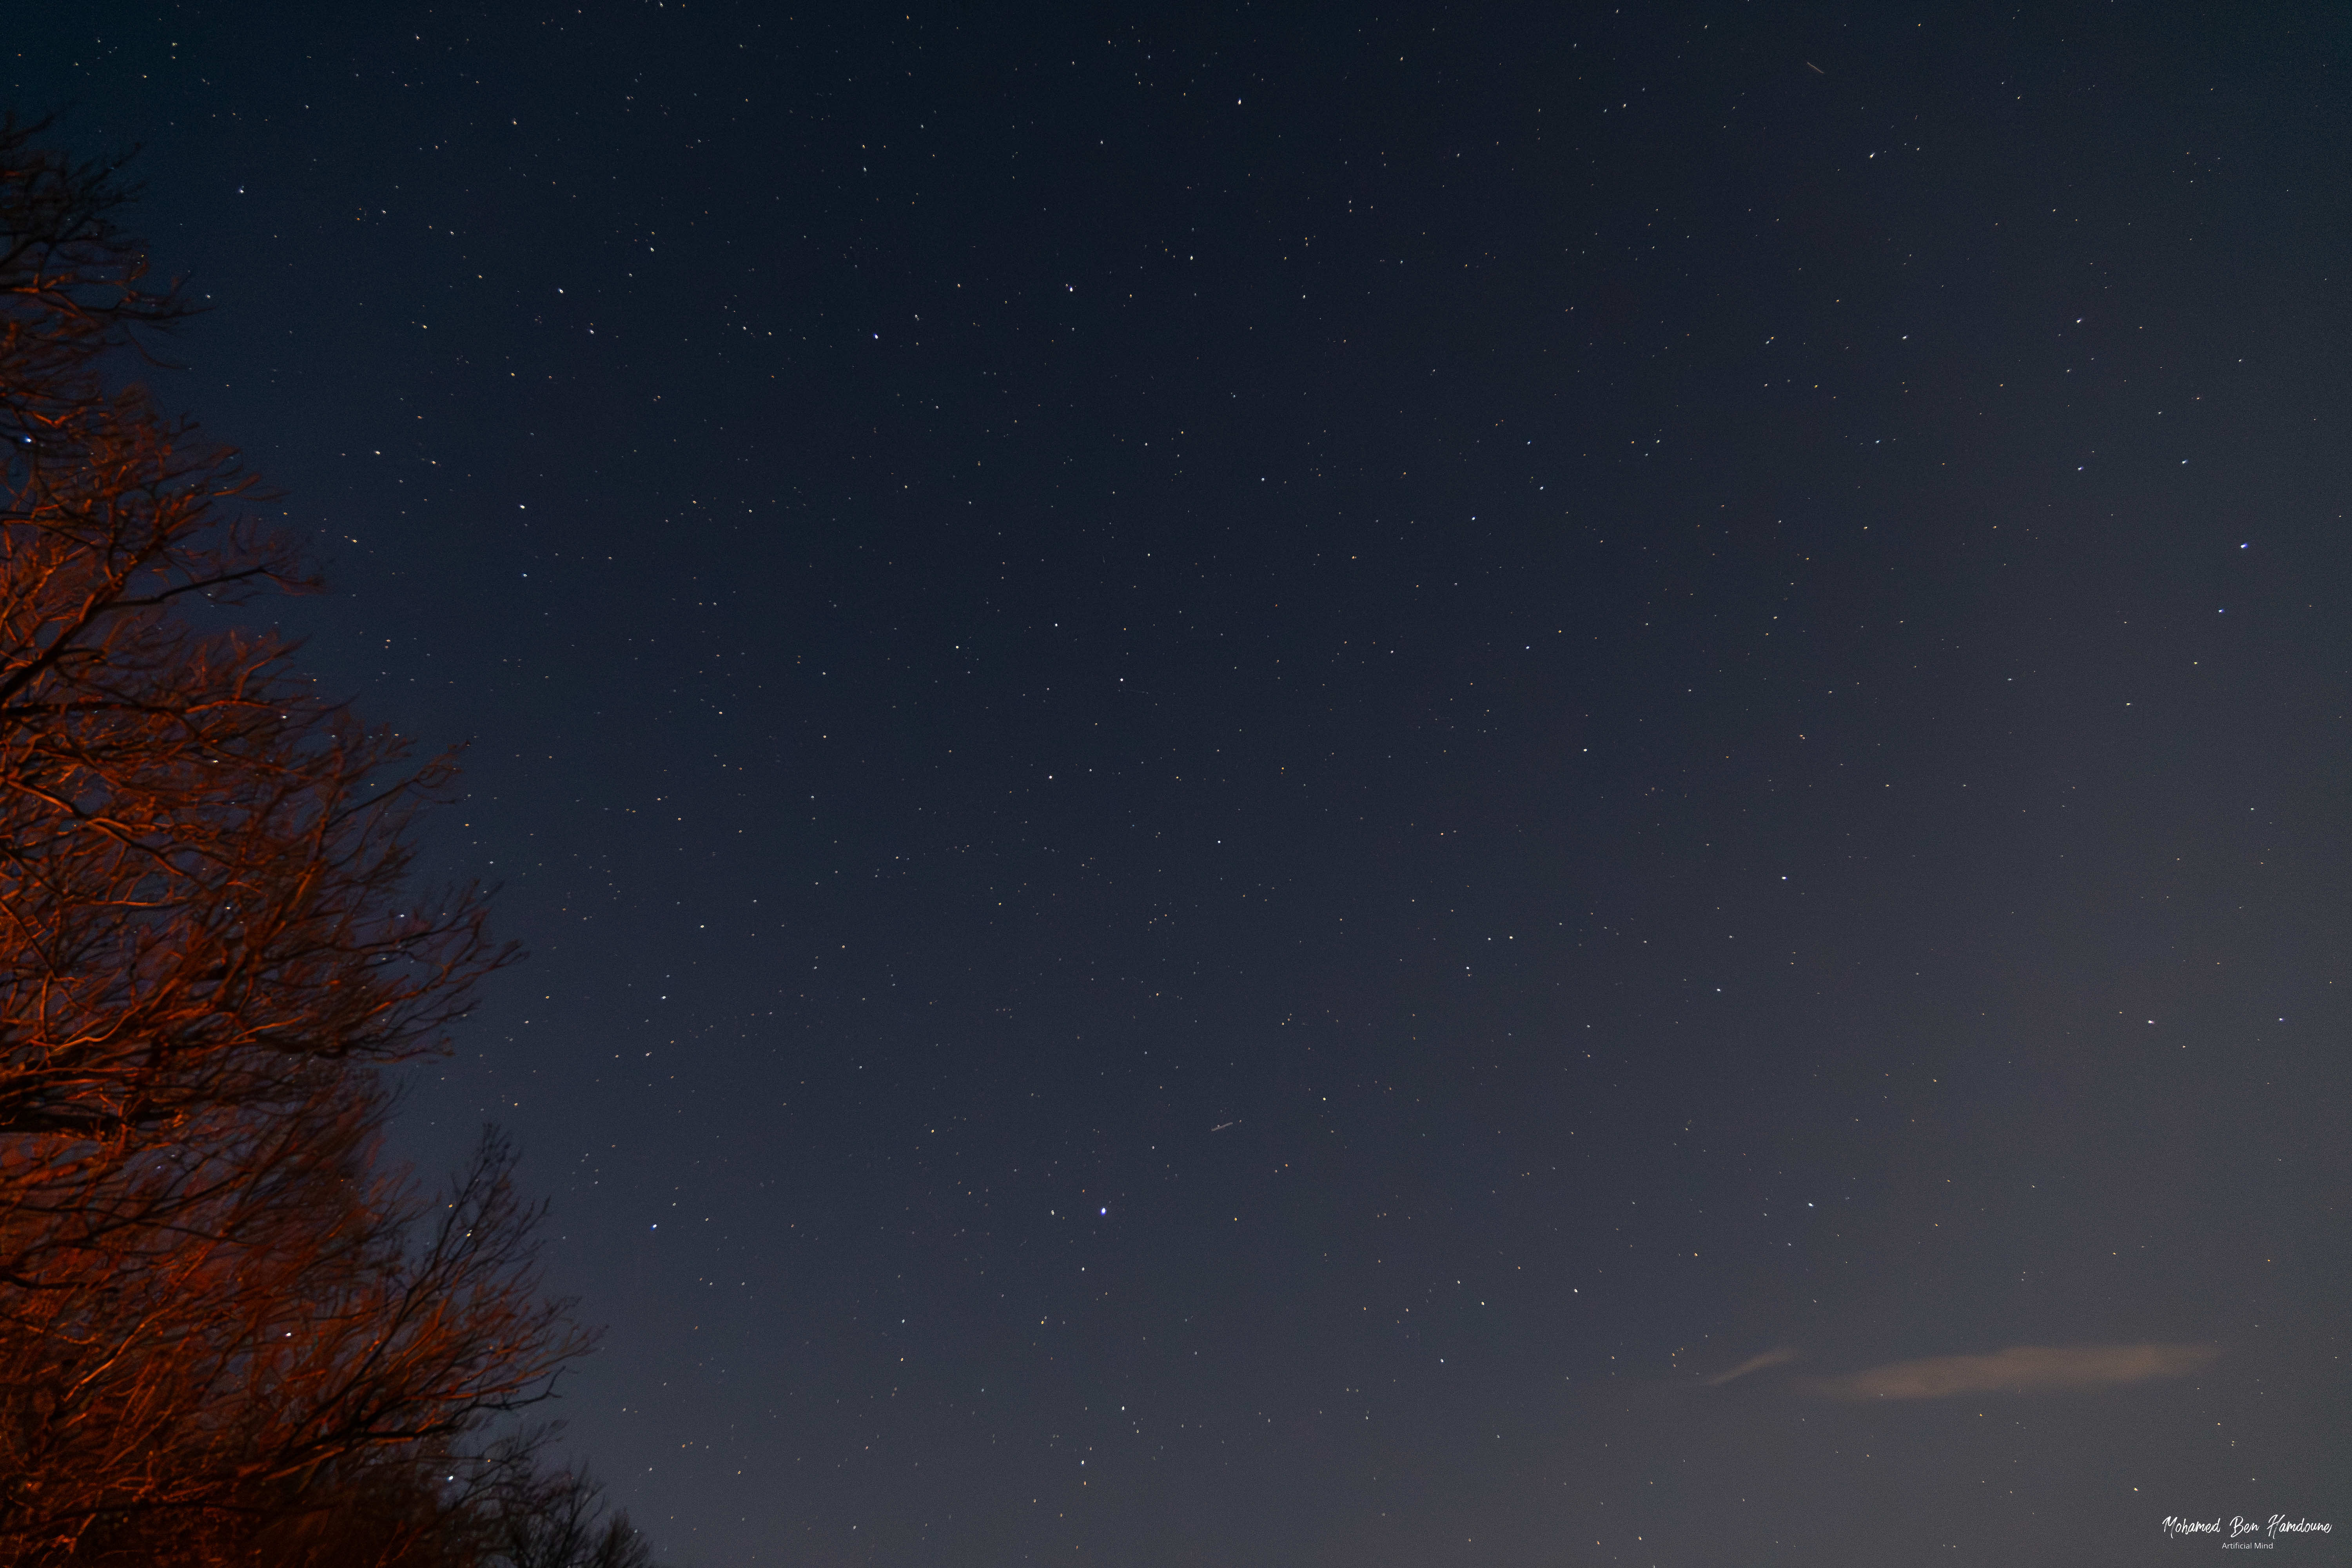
(226, 1331)
(204, 865)
(524, 1514)
(304, 1331)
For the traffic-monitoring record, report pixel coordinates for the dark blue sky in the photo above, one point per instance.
(1265, 769)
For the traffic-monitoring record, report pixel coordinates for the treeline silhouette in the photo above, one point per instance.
(230, 1331)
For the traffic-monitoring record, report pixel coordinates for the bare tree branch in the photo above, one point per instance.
(227, 1332)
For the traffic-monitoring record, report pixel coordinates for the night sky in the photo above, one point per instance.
(1270, 770)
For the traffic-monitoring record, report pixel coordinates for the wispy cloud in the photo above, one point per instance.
(2020, 1369)
(1779, 1357)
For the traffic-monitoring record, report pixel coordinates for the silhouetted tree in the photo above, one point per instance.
(526, 1516)
(227, 1333)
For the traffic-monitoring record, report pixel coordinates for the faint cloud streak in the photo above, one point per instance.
(1779, 1357)
(2020, 1369)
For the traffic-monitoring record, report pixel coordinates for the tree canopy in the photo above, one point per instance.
(229, 1330)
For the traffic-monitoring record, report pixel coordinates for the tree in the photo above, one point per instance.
(531, 1519)
(206, 863)
(226, 1328)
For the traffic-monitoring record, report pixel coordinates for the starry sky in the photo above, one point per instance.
(1490, 785)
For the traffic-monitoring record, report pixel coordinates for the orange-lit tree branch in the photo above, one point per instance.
(204, 873)
(297, 1325)
(225, 1333)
